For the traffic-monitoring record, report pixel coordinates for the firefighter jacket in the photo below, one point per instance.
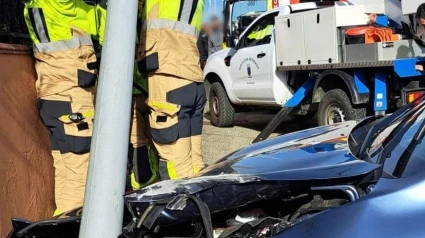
(168, 39)
(52, 20)
(62, 34)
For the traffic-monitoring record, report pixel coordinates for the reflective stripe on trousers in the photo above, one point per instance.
(170, 24)
(74, 42)
(167, 169)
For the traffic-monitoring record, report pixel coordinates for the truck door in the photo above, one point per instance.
(251, 66)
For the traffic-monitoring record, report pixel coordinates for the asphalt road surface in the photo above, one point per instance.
(218, 142)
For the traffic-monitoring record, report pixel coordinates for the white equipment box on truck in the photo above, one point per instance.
(312, 37)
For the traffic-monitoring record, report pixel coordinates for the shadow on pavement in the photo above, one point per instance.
(257, 120)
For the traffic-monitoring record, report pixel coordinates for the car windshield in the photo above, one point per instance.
(403, 149)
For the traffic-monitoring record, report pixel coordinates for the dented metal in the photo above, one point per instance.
(170, 188)
(288, 184)
(264, 171)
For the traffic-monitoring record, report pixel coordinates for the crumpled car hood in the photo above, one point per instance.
(314, 154)
(318, 153)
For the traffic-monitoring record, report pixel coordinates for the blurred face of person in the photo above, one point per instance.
(215, 23)
(421, 21)
(205, 28)
(420, 14)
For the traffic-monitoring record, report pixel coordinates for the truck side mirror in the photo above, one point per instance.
(231, 41)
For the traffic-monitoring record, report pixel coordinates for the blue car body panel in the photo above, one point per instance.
(382, 213)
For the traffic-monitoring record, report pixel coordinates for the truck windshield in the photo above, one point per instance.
(244, 12)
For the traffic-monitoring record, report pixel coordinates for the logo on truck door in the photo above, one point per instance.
(248, 62)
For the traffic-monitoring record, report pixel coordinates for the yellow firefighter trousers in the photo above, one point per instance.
(70, 142)
(176, 124)
(142, 167)
(71, 146)
(66, 79)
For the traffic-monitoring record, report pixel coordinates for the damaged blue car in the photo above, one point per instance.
(353, 179)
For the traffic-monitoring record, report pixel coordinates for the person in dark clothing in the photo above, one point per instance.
(420, 14)
(215, 35)
(203, 46)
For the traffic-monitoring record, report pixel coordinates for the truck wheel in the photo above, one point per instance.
(221, 110)
(336, 107)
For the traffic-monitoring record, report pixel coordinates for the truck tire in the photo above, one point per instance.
(222, 111)
(336, 107)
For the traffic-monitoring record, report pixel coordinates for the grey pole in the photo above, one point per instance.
(103, 202)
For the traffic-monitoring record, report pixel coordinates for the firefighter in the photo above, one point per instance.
(143, 162)
(168, 54)
(66, 65)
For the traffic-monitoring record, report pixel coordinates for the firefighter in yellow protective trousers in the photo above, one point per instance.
(66, 66)
(168, 54)
(144, 163)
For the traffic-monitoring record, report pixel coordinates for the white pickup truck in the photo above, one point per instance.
(251, 73)
(246, 75)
